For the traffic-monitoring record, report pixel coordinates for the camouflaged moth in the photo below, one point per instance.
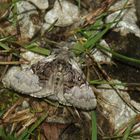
(57, 77)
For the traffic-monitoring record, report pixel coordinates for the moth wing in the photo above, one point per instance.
(26, 82)
(81, 97)
(23, 81)
(48, 59)
(48, 89)
(57, 90)
(75, 66)
(60, 95)
(44, 92)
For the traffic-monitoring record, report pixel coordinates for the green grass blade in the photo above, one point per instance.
(91, 41)
(94, 126)
(28, 132)
(131, 138)
(3, 46)
(5, 136)
(128, 130)
(2, 133)
(35, 48)
(94, 39)
(119, 56)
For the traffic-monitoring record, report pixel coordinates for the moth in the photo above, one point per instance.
(57, 77)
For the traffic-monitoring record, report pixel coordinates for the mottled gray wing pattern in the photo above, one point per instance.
(22, 81)
(51, 75)
(26, 82)
(53, 89)
(80, 96)
(56, 78)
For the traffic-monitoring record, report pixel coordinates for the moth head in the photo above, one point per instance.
(63, 51)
